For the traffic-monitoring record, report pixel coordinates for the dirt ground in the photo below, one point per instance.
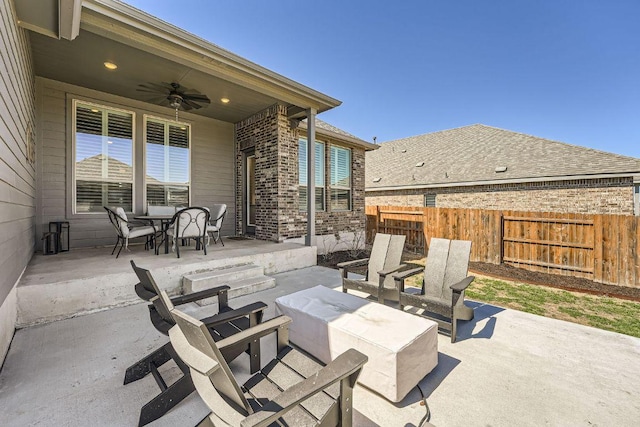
(509, 273)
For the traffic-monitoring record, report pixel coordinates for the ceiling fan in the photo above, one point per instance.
(175, 96)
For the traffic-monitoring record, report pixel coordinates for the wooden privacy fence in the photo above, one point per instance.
(603, 248)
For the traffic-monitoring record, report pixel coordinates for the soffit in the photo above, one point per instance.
(80, 62)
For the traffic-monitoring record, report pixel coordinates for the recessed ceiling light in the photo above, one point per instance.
(377, 179)
(110, 65)
(420, 164)
(224, 100)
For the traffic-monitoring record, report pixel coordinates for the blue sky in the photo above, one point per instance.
(567, 70)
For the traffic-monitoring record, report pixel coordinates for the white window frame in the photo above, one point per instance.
(337, 187)
(323, 186)
(166, 122)
(74, 103)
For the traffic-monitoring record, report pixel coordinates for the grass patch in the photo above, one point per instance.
(601, 312)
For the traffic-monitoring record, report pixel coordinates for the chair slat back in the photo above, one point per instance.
(199, 339)
(447, 264)
(436, 267)
(386, 252)
(149, 284)
(191, 222)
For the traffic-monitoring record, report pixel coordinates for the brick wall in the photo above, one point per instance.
(595, 196)
(278, 215)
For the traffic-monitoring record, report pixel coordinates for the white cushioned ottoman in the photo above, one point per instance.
(402, 347)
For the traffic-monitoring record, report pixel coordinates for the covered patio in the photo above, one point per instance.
(507, 368)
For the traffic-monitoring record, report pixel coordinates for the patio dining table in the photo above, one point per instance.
(164, 220)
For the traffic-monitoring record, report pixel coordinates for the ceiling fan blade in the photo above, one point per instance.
(160, 100)
(163, 88)
(189, 105)
(196, 97)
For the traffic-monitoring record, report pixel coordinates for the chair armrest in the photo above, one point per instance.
(463, 284)
(403, 275)
(348, 363)
(354, 263)
(234, 314)
(255, 332)
(196, 296)
(388, 271)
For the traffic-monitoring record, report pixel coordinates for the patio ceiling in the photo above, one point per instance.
(147, 50)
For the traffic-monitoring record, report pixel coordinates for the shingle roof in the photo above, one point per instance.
(471, 154)
(323, 127)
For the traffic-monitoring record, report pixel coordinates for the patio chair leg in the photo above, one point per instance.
(119, 250)
(178, 249)
(116, 245)
(165, 401)
(142, 367)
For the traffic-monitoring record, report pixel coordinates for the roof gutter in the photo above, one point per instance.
(136, 28)
(352, 140)
(506, 181)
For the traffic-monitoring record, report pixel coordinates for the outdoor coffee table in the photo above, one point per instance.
(402, 348)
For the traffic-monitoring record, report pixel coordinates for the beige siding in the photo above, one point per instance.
(17, 175)
(211, 153)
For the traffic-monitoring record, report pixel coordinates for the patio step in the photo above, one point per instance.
(242, 279)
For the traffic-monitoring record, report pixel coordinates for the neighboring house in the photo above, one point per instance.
(483, 167)
(77, 132)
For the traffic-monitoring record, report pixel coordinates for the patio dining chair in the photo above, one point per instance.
(291, 390)
(386, 254)
(226, 323)
(218, 212)
(189, 223)
(445, 280)
(126, 230)
(161, 210)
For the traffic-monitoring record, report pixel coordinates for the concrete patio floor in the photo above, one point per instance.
(508, 368)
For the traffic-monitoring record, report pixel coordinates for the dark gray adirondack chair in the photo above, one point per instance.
(385, 258)
(445, 279)
(312, 396)
(226, 323)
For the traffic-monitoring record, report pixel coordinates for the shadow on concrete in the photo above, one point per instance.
(483, 317)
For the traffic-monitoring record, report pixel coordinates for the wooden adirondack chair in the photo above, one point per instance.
(445, 279)
(385, 258)
(312, 396)
(226, 323)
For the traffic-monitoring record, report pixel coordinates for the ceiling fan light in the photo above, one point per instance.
(110, 65)
(224, 100)
(175, 102)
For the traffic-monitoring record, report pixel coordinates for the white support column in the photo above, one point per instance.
(311, 176)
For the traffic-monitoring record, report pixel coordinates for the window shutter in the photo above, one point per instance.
(167, 162)
(103, 170)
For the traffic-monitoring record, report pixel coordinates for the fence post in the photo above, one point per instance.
(501, 239)
(377, 219)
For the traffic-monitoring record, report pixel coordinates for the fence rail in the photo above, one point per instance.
(603, 248)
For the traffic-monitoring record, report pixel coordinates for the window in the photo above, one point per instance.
(167, 163)
(319, 172)
(103, 158)
(430, 200)
(340, 179)
(636, 199)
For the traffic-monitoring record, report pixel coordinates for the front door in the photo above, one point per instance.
(249, 193)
